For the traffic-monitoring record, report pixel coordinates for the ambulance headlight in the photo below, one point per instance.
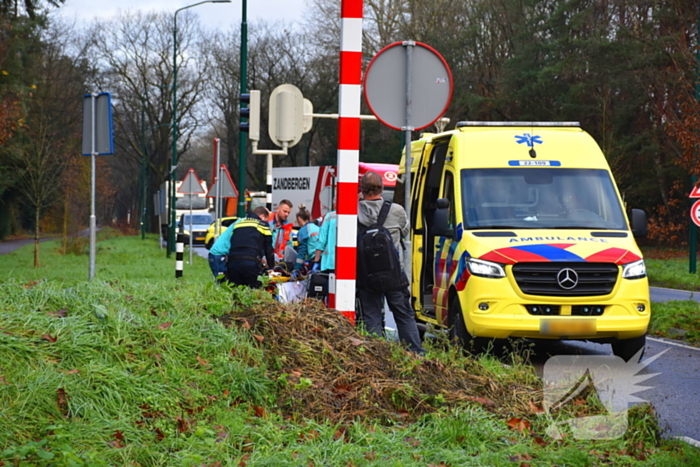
(636, 270)
(481, 268)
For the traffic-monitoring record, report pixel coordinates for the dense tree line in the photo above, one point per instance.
(625, 70)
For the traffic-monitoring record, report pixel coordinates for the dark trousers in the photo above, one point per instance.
(400, 305)
(244, 273)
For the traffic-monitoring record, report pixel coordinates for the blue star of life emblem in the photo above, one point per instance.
(529, 139)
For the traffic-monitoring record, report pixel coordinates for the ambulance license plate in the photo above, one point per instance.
(567, 327)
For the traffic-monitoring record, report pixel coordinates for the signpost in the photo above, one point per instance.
(408, 86)
(222, 188)
(191, 185)
(694, 193)
(98, 140)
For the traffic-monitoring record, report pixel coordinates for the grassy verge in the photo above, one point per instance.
(674, 320)
(678, 320)
(145, 370)
(116, 257)
(670, 268)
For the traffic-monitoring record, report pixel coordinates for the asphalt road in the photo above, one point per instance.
(12, 245)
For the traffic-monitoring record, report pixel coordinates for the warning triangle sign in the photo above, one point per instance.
(191, 185)
(695, 193)
(228, 190)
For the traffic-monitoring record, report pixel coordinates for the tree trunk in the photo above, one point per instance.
(36, 238)
(64, 240)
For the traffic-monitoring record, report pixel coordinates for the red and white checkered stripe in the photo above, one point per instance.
(348, 155)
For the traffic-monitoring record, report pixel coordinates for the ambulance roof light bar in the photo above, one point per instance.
(525, 124)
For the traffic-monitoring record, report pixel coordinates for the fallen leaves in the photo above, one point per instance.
(118, 440)
(49, 338)
(58, 314)
(519, 424)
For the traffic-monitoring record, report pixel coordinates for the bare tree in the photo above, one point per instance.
(52, 129)
(135, 55)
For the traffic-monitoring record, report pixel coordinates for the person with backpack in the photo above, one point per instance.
(380, 275)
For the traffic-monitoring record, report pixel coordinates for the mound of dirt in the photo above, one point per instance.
(334, 373)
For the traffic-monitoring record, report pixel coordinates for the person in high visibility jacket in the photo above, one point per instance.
(251, 241)
(281, 229)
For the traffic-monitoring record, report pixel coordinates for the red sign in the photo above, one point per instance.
(695, 193)
(191, 185)
(695, 213)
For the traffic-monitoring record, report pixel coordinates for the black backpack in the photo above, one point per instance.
(378, 263)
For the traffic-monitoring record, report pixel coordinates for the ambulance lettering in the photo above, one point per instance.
(563, 239)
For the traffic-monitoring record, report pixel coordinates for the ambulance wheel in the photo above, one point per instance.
(458, 329)
(626, 349)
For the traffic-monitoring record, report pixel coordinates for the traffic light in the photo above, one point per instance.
(252, 113)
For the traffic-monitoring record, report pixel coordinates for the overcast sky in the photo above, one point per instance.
(211, 15)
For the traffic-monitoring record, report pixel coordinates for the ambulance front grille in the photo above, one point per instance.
(544, 278)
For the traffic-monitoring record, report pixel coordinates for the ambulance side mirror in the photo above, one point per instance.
(638, 221)
(441, 219)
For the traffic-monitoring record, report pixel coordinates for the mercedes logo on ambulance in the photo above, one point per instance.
(567, 278)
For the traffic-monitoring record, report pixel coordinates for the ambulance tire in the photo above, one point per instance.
(626, 349)
(458, 329)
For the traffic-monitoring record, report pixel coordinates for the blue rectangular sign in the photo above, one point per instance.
(100, 125)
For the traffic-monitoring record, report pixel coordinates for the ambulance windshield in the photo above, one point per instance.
(540, 198)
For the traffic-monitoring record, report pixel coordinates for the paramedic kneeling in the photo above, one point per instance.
(398, 300)
(251, 240)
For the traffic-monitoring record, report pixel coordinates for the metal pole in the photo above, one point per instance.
(173, 165)
(242, 136)
(93, 221)
(268, 179)
(143, 168)
(218, 212)
(693, 229)
(408, 158)
(191, 232)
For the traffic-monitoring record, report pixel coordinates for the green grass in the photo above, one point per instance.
(131, 369)
(676, 320)
(116, 257)
(672, 273)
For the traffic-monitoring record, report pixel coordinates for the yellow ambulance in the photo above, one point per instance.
(518, 230)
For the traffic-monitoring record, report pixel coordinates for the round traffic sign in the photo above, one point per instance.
(695, 213)
(386, 82)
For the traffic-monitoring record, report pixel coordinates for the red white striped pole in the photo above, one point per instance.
(348, 155)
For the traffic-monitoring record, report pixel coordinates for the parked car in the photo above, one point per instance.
(211, 234)
(197, 226)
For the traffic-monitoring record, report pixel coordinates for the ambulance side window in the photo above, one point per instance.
(448, 192)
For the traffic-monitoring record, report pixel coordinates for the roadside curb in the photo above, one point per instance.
(672, 342)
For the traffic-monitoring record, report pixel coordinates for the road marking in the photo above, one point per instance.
(690, 441)
(669, 342)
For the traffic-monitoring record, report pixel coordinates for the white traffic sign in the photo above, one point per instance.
(191, 184)
(694, 193)
(228, 190)
(695, 213)
(408, 84)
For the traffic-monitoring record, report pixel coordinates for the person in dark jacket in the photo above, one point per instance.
(399, 301)
(251, 241)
